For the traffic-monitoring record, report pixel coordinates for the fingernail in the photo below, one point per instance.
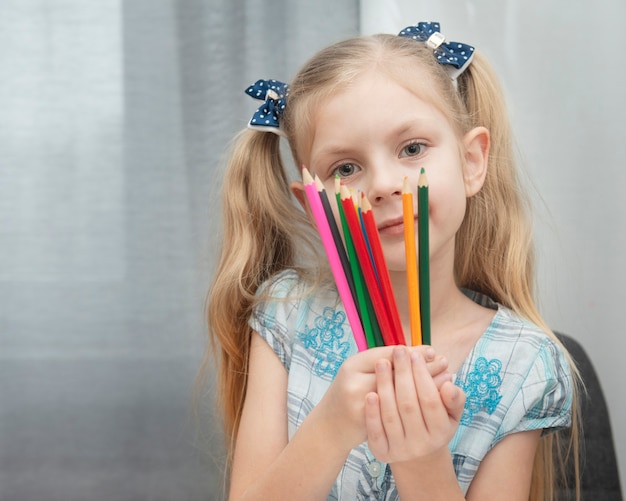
(455, 395)
(399, 352)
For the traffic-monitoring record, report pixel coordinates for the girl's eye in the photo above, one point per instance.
(346, 170)
(412, 150)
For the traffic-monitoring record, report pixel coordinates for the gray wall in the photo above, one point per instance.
(560, 65)
(113, 120)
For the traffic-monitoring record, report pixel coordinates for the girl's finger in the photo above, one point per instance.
(436, 363)
(376, 437)
(434, 412)
(442, 378)
(453, 398)
(406, 394)
(407, 403)
(437, 366)
(387, 399)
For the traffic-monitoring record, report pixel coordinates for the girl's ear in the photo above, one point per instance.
(297, 188)
(476, 143)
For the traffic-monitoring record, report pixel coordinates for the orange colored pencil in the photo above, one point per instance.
(411, 263)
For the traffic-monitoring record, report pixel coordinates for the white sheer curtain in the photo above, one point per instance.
(560, 65)
(113, 119)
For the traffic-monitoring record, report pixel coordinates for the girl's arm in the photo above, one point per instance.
(507, 469)
(266, 464)
(504, 473)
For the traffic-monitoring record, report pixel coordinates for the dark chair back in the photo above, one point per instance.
(599, 476)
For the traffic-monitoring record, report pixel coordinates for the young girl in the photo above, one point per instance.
(308, 416)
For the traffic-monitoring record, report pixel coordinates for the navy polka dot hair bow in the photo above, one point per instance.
(267, 117)
(454, 55)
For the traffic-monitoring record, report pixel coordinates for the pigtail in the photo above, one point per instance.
(495, 256)
(494, 246)
(260, 225)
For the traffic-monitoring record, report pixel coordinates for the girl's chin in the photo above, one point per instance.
(396, 264)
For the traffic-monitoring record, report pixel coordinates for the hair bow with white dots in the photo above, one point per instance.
(455, 56)
(267, 117)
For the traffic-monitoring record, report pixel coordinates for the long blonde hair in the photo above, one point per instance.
(264, 232)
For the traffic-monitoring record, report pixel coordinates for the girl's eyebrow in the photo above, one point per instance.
(337, 149)
(334, 150)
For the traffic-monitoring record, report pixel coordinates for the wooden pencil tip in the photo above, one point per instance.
(423, 179)
(318, 183)
(365, 203)
(306, 175)
(355, 198)
(345, 192)
(406, 186)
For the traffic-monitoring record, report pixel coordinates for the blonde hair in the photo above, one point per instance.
(264, 232)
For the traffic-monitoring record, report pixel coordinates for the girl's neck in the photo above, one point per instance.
(457, 322)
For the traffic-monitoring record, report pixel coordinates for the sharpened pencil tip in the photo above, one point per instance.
(318, 183)
(365, 203)
(306, 175)
(423, 179)
(406, 186)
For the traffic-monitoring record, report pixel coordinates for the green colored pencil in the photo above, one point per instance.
(424, 258)
(370, 325)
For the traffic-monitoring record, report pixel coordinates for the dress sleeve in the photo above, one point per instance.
(273, 316)
(544, 400)
(265, 320)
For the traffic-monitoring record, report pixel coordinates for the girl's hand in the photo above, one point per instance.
(343, 405)
(409, 415)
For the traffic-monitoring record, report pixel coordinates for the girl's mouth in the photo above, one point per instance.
(392, 227)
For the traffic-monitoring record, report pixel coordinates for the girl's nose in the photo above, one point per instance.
(385, 186)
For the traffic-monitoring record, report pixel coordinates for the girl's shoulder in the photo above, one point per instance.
(516, 378)
(518, 355)
(508, 328)
(288, 306)
(284, 284)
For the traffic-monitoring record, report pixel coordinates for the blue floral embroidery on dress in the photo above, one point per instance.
(327, 339)
(481, 388)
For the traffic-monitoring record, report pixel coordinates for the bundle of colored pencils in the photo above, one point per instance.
(359, 268)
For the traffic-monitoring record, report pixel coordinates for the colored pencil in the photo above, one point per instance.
(424, 254)
(381, 267)
(411, 263)
(343, 288)
(367, 267)
(357, 206)
(364, 302)
(334, 229)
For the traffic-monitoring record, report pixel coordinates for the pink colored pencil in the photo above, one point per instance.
(336, 267)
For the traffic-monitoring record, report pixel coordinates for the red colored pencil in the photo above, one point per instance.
(367, 267)
(381, 267)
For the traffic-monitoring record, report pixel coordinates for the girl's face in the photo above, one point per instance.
(374, 134)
